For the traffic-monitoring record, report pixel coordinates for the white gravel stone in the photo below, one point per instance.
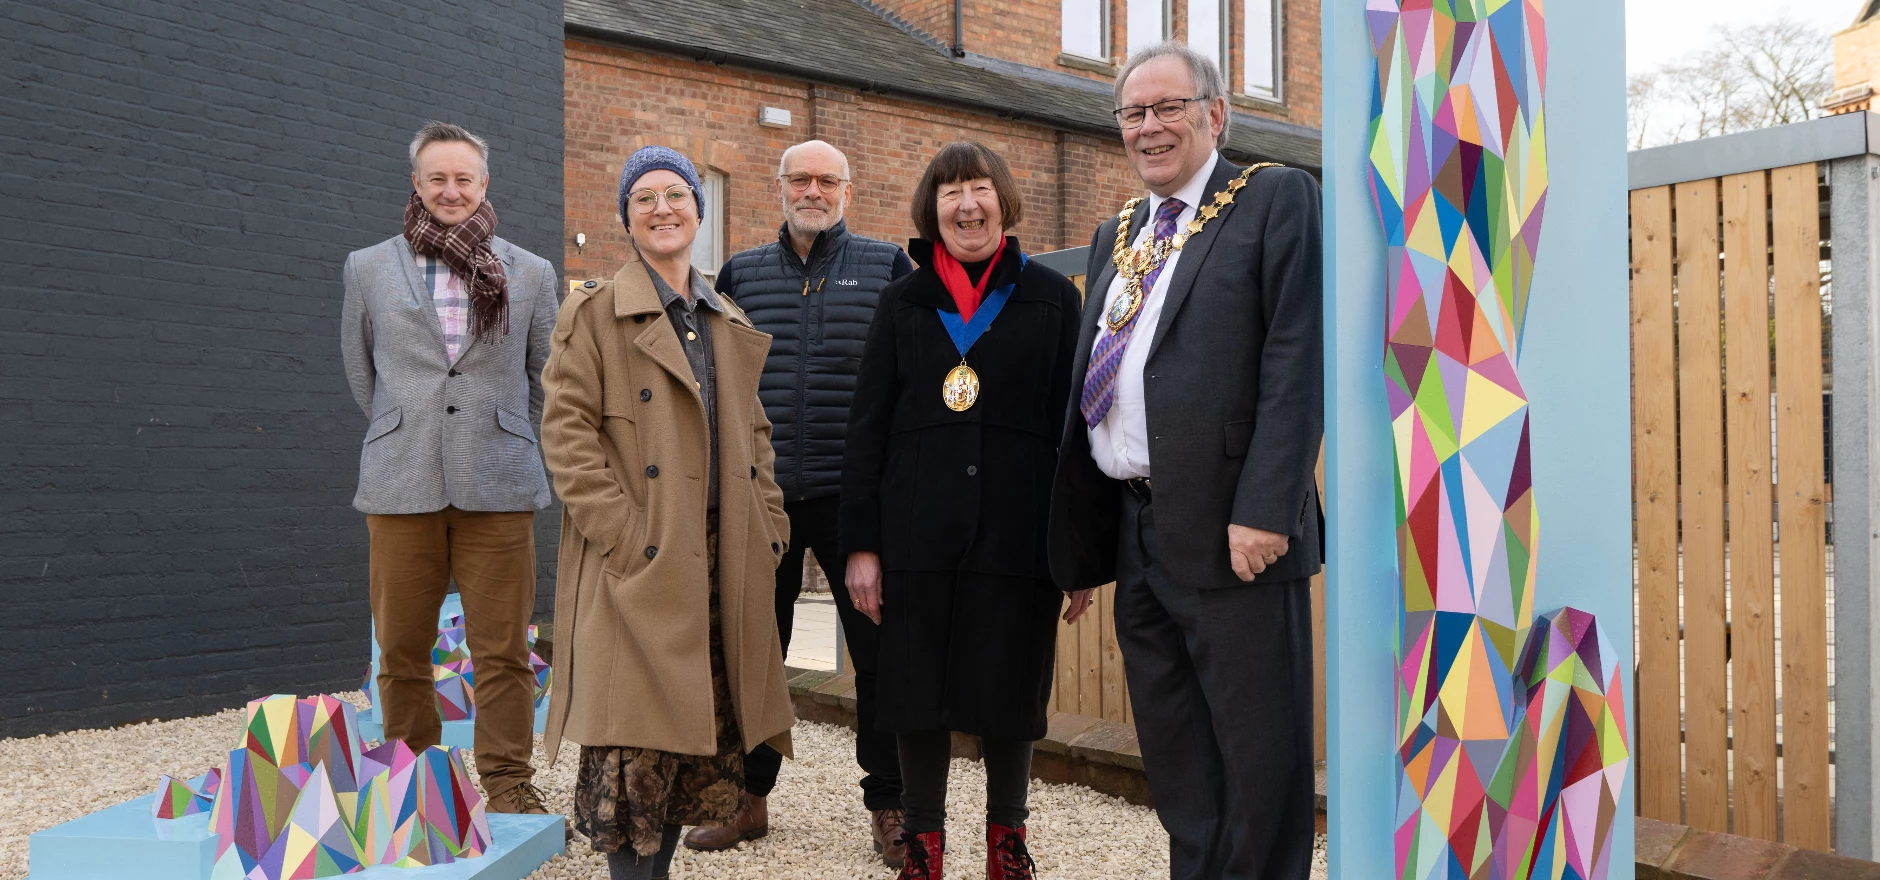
(818, 827)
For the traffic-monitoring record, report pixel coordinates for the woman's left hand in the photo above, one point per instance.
(1080, 602)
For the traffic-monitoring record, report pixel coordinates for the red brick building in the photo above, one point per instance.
(1856, 63)
(731, 83)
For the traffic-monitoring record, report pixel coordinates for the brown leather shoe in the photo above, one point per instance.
(523, 797)
(752, 822)
(886, 826)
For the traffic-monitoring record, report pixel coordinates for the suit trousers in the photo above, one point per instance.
(491, 556)
(1221, 681)
(813, 527)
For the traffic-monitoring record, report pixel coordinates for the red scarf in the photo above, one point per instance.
(965, 293)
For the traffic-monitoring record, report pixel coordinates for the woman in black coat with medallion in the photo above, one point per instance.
(946, 485)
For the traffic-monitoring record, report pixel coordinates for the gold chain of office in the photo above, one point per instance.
(1137, 262)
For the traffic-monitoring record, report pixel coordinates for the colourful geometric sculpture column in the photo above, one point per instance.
(1510, 760)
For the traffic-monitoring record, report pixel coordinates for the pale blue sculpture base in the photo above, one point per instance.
(125, 841)
(461, 734)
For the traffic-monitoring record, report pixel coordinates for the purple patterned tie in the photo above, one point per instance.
(1100, 382)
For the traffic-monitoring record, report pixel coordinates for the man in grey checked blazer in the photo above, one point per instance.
(445, 330)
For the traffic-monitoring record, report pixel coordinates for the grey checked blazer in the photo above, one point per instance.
(439, 434)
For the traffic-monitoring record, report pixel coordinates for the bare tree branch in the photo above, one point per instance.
(1749, 77)
(1641, 95)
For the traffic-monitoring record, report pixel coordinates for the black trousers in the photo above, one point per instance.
(813, 527)
(928, 755)
(1221, 680)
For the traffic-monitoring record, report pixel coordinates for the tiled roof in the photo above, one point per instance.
(840, 42)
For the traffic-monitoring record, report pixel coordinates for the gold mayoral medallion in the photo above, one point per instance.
(961, 388)
(1135, 263)
(1127, 304)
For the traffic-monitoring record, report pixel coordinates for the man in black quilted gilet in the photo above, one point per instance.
(814, 291)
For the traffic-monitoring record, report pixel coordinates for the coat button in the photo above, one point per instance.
(450, 409)
(452, 374)
(639, 319)
(652, 470)
(590, 285)
(972, 470)
(651, 551)
(646, 394)
(775, 547)
(753, 470)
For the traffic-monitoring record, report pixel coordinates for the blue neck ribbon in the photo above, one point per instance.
(965, 333)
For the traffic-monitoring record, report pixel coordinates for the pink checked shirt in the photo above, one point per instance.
(452, 299)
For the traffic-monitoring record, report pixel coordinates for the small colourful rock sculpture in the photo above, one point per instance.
(302, 799)
(178, 798)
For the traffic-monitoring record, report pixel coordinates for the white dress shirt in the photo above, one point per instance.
(1120, 443)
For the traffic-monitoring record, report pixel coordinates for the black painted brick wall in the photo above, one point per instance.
(180, 182)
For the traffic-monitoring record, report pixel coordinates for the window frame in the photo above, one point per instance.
(1165, 9)
(1223, 24)
(712, 228)
(1105, 35)
(1276, 32)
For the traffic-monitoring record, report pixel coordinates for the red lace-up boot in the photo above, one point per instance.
(923, 855)
(1006, 855)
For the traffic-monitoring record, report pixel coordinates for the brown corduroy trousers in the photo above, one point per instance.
(491, 556)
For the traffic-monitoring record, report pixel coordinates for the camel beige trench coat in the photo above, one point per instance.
(624, 433)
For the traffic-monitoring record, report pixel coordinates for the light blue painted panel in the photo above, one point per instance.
(1361, 541)
(105, 844)
(1575, 367)
(1576, 364)
(125, 841)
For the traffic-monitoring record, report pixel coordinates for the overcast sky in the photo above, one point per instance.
(1658, 31)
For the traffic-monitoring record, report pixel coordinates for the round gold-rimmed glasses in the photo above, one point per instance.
(646, 201)
(801, 182)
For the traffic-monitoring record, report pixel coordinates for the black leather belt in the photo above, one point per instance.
(1140, 486)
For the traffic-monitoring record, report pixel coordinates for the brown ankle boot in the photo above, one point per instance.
(752, 822)
(523, 797)
(923, 855)
(886, 827)
(1006, 855)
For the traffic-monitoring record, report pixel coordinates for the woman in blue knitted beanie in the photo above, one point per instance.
(668, 667)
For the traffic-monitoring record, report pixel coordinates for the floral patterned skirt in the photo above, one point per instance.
(625, 796)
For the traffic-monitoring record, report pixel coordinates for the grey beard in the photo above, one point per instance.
(800, 229)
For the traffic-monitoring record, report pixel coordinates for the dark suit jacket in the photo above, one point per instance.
(1234, 394)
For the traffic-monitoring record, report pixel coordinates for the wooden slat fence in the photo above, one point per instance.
(1089, 675)
(1725, 295)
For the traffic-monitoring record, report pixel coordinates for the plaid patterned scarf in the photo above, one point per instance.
(465, 248)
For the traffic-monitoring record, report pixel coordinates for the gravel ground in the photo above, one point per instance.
(818, 829)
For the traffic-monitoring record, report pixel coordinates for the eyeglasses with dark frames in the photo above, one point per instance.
(1170, 110)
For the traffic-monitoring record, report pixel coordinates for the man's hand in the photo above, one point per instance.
(1080, 602)
(864, 583)
(1249, 551)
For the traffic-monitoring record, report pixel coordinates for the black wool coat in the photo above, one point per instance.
(931, 489)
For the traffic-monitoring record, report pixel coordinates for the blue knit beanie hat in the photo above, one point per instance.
(647, 159)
